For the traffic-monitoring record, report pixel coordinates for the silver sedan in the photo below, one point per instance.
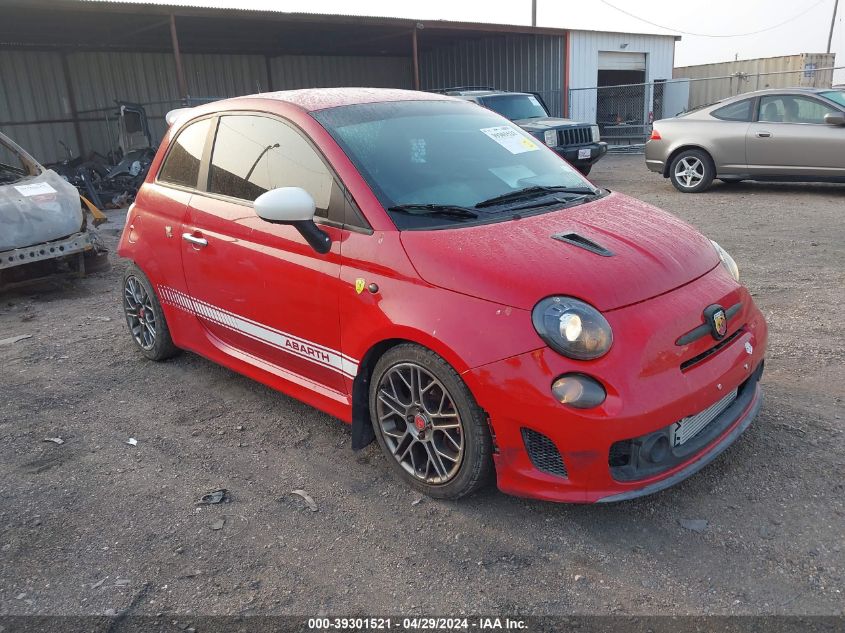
(787, 135)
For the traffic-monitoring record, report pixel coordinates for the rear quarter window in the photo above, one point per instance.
(739, 111)
(182, 165)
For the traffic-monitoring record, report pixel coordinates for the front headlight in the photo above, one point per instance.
(550, 138)
(727, 261)
(596, 135)
(573, 328)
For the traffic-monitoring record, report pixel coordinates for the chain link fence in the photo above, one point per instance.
(624, 113)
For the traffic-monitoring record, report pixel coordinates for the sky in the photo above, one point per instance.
(804, 24)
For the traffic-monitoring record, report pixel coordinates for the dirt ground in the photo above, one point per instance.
(95, 525)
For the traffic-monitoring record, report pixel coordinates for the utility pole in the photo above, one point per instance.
(832, 24)
(534, 14)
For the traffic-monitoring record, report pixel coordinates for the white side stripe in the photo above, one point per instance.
(313, 352)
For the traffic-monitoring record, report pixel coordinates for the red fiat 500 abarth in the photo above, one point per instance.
(425, 270)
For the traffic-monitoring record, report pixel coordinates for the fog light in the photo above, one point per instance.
(579, 391)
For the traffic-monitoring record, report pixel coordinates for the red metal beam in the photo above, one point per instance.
(566, 56)
(177, 56)
(416, 58)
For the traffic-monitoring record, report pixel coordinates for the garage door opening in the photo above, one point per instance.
(621, 106)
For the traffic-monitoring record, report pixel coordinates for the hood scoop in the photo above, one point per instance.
(582, 242)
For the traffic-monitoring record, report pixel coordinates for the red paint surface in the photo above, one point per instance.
(464, 293)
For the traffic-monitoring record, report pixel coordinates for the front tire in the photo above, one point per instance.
(145, 317)
(428, 424)
(692, 171)
(584, 169)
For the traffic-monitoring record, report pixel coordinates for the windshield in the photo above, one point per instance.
(446, 153)
(515, 107)
(835, 95)
(15, 164)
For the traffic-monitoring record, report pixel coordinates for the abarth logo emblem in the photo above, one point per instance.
(716, 318)
(720, 323)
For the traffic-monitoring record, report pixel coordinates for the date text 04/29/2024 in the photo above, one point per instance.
(415, 624)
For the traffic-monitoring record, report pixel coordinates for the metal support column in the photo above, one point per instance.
(177, 56)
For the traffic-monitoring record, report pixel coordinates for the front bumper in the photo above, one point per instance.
(76, 243)
(647, 391)
(582, 154)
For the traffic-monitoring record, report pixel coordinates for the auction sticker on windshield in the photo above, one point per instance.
(510, 139)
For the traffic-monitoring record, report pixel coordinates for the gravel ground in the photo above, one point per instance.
(95, 525)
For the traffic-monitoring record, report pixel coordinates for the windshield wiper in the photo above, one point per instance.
(564, 203)
(444, 210)
(532, 192)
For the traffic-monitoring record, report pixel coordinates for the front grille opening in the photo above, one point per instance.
(577, 136)
(543, 453)
(708, 353)
(620, 454)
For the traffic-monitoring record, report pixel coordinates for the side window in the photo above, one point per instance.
(182, 165)
(253, 154)
(811, 111)
(739, 111)
(792, 109)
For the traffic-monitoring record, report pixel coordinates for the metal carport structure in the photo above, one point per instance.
(63, 63)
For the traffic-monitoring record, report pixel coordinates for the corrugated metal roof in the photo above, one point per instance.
(256, 7)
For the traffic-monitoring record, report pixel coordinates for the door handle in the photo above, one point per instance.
(198, 242)
(764, 134)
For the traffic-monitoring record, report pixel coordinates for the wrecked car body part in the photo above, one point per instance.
(43, 230)
(36, 205)
(98, 217)
(76, 243)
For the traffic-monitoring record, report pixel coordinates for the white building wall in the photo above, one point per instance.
(584, 47)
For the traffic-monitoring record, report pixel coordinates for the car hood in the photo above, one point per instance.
(517, 262)
(546, 123)
(38, 209)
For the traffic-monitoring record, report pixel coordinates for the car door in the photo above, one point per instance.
(726, 137)
(260, 291)
(790, 138)
(154, 220)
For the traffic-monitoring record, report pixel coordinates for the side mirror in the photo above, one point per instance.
(294, 206)
(834, 119)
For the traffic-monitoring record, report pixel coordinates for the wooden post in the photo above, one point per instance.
(177, 56)
(416, 58)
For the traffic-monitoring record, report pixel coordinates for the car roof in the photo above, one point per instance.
(771, 91)
(480, 93)
(312, 99)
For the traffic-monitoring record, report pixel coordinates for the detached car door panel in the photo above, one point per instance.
(258, 288)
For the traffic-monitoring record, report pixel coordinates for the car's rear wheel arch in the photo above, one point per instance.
(684, 148)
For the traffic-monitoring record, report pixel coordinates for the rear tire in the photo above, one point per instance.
(692, 171)
(145, 317)
(428, 424)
